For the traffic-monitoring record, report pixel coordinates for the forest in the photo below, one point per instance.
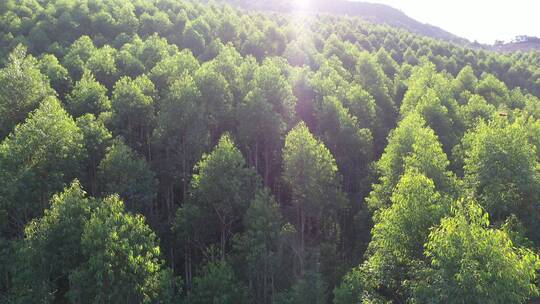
(178, 151)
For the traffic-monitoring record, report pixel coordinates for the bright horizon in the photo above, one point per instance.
(481, 20)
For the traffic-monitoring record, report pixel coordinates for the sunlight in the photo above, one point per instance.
(263, 151)
(300, 6)
(300, 10)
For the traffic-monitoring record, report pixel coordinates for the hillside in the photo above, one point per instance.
(177, 151)
(373, 12)
(520, 43)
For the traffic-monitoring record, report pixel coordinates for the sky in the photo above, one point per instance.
(481, 20)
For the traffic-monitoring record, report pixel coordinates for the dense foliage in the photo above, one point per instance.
(169, 151)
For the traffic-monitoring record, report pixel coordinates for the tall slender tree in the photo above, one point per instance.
(310, 172)
(39, 158)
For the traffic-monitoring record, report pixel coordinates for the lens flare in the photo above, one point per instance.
(301, 6)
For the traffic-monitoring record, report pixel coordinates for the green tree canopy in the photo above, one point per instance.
(122, 171)
(217, 283)
(97, 138)
(397, 244)
(134, 111)
(430, 94)
(412, 145)
(122, 259)
(223, 187)
(465, 81)
(38, 159)
(51, 248)
(57, 74)
(473, 263)
(501, 170)
(87, 96)
(180, 138)
(372, 78)
(310, 172)
(351, 145)
(262, 247)
(22, 88)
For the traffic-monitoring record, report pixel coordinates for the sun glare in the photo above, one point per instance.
(301, 5)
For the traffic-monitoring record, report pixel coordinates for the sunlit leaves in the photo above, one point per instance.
(22, 88)
(38, 159)
(473, 263)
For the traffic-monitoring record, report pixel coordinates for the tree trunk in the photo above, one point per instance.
(187, 266)
(265, 288)
(223, 237)
(93, 176)
(302, 238)
(184, 169)
(257, 156)
(266, 167)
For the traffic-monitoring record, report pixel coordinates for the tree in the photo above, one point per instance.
(254, 46)
(475, 110)
(57, 74)
(218, 284)
(473, 263)
(310, 172)
(228, 29)
(122, 259)
(134, 112)
(38, 159)
(310, 289)
(23, 87)
(389, 65)
(51, 248)
(274, 41)
(501, 170)
(217, 100)
(411, 145)
(223, 186)
(122, 171)
(173, 68)
(401, 83)
(180, 138)
(430, 95)
(520, 99)
(261, 246)
(260, 129)
(409, 57)
(269, 78)
(493, 90)
(397, 244)
(128, 63)
(152, 50)
(296, 54)
(362, 105)
(350, 145)
(334, 46)
(6, 254)
(352, 148)
(236, 69)
(331, 80)
(395, 127)
(157, 23)
(193, 39)
(102, 64)
(77, 55)
(265, 113)
(465, 81)
(88, 96)
(97, 138)
(372, 78)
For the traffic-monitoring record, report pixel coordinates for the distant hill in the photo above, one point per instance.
(520, 43)
(376, 13)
